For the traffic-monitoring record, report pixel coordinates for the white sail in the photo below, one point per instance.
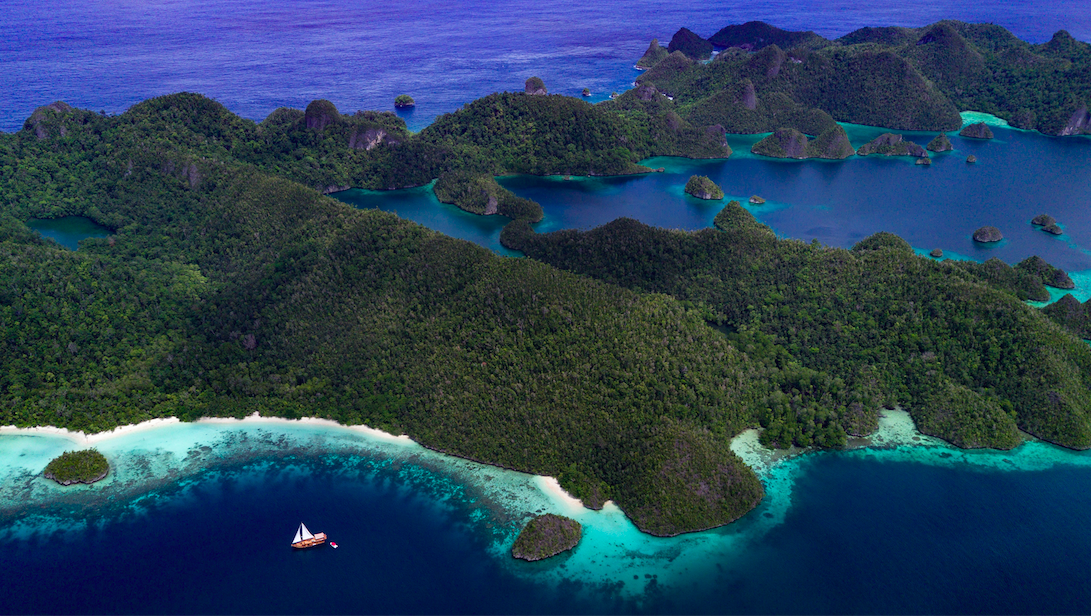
(298, 534)
(306, 533)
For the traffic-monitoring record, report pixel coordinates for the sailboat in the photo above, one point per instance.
(304, 538)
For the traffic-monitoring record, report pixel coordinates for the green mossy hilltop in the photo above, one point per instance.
(940, 144)
(898, 78)
(86, 466)
(889, 144)
(951, 341)
(652, 56)
(545, 536)
(693, 46)
(703, 188)
(790, 143)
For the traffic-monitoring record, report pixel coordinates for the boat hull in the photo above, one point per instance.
(315, 541)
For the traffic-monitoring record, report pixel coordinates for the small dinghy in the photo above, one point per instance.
(333, 544)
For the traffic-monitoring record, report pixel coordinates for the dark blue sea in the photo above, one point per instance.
(198, 522)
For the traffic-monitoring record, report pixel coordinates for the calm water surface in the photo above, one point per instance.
(68, 230)
(257, 56)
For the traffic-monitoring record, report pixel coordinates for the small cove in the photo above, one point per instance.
(1019, 175)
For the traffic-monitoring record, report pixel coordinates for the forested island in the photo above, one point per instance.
(546, 536)
(231, 284)
(766, 79)
(71, 467)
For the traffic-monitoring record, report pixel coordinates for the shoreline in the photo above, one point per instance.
(80, 437)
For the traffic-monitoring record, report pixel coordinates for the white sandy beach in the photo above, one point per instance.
(553, 489)
(83, 438)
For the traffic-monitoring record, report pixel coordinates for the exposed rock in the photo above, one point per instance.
(332, 188)
(768, 61)
(535, 86)
(756, 200)
(987, 235)
(546, 535)
(1078, 124)
(980, 130)
(940, 144)
(748, 96)
(367, 139)
(690, 44)
(716, 136)
(924, 162)
(40, 120)
(320, 114)
(971, 159)
(889, 144)
(1043, 220)
(652, 57)
(1054, 228)
(703, 188)
(646, 92)
(936, 253)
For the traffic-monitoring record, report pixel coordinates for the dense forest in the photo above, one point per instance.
(499, 134)
(953, 342)
(903, 78)
(226, 289)
(231, 284)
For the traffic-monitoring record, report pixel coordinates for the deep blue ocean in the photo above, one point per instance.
(892, 531)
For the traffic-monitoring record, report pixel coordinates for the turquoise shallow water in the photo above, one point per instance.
(404, 515)
(69, 230)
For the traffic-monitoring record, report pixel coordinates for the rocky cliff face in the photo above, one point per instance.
(47, 120)
(1078, 124)
(365, 140)
(987, 235)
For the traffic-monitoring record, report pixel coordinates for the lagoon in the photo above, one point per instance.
(68, 231)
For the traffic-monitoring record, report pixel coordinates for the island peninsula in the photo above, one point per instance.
(231, 284)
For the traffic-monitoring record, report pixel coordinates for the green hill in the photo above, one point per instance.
(901, 78)
(954, 343)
